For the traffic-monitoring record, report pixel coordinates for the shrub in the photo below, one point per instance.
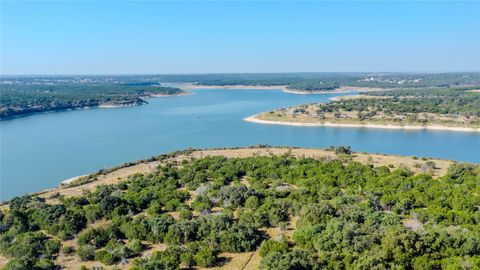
(104, 257)
(186, 214)
(205, 257)
(270, 246)
(135, 245)
(68, 250)
(86, 252)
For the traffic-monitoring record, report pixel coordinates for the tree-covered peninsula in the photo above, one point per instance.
(267, 208)
(410, 108)
(24, 97)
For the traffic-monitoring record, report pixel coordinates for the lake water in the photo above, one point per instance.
(40, 151)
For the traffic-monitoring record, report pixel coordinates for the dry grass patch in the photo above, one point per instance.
(114, 177)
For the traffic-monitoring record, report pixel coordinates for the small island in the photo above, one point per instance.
(455, 109)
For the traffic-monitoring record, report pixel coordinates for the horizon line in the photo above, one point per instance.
(233, 73)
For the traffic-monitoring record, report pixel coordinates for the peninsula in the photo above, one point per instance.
(250, 208)
(456, 109)
(21, 97)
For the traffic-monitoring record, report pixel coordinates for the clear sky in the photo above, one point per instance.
(64, 37)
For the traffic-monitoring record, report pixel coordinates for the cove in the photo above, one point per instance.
(40, 151)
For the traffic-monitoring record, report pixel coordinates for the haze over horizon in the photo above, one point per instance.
(114, 38)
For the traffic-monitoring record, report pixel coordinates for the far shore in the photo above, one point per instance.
(109, 105)
(237, 86)
(254, 119)
(114, 105)
(340, 90)
(169, 95)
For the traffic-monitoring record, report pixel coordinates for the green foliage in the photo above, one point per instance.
(270, 246)
(22, 99)
(86, 252)
(345, 150)
(135, 246)
(104, 257)
(202, 204)
(205, 257)
(252, 202)
(239, 238)
(412, 103)
(186, 214)
(187, 258)
(98, 237)
(22, 263)
(296, 259)
(346, 216)
(331, 81)
(168, 260)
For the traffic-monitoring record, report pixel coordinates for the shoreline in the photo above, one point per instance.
(302, 92)
(237, 86)
(110, 106)
(184, 93)
(116, 174)
(340, 90)
(99, 106)
(254, 119)
(72, 179)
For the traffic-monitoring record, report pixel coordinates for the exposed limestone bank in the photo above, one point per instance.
(255, 119)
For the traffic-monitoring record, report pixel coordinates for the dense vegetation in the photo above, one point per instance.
(309, 81)
(345, 215)
(447, 107)
(26, 95)
(332, 81)
(27, 98)
(440, 101)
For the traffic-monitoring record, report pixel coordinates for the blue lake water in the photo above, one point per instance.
(40, 151)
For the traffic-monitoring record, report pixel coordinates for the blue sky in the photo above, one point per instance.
(65, 37)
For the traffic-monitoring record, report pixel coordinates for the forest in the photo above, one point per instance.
(455, 107)
(27, 98)
(332, 81)
(307, 81)
(457, 101)
(335, 214)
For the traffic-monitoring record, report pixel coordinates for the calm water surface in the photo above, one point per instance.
(40, 151)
